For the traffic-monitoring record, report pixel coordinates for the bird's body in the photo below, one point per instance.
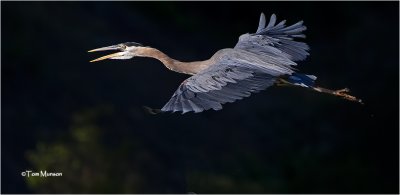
(258, 61)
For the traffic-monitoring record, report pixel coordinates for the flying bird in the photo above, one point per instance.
(258, 60)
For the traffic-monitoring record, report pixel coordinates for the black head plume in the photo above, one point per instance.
(130, 44)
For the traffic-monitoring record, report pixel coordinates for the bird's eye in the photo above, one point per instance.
(122, 46)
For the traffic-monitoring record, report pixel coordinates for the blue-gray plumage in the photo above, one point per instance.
(258, 61)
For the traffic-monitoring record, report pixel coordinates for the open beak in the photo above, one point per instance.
(114, 47)
(108, 56)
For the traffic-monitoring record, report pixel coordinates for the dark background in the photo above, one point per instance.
(61, 113)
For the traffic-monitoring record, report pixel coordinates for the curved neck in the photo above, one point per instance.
(172, 64)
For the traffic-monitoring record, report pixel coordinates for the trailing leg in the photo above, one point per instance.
(343, 93)
(308, 81)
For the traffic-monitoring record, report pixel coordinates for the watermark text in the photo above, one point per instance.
(41, 173)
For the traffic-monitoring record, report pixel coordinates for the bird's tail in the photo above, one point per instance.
(302, 80)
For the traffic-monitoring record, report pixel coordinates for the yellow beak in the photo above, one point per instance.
(107, 56)
(113, 47)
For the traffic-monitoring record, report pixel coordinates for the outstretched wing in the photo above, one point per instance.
(276, 40)
(217, 85)
(232, 79)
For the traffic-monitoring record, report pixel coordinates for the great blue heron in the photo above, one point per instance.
(258, 61)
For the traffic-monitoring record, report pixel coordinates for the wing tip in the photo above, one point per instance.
(151, 111)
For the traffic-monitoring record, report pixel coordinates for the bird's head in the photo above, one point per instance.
(127, 50)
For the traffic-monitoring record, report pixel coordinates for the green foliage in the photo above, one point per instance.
(87, 165)
(98, 156)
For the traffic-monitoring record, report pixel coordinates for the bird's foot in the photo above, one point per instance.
(343, 93)
(345, 90)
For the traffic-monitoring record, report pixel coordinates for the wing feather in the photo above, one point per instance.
(261, 24)
(276, 37)
(217, 85)
(272, 20)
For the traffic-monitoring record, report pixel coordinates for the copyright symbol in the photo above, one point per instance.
(23, 174)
